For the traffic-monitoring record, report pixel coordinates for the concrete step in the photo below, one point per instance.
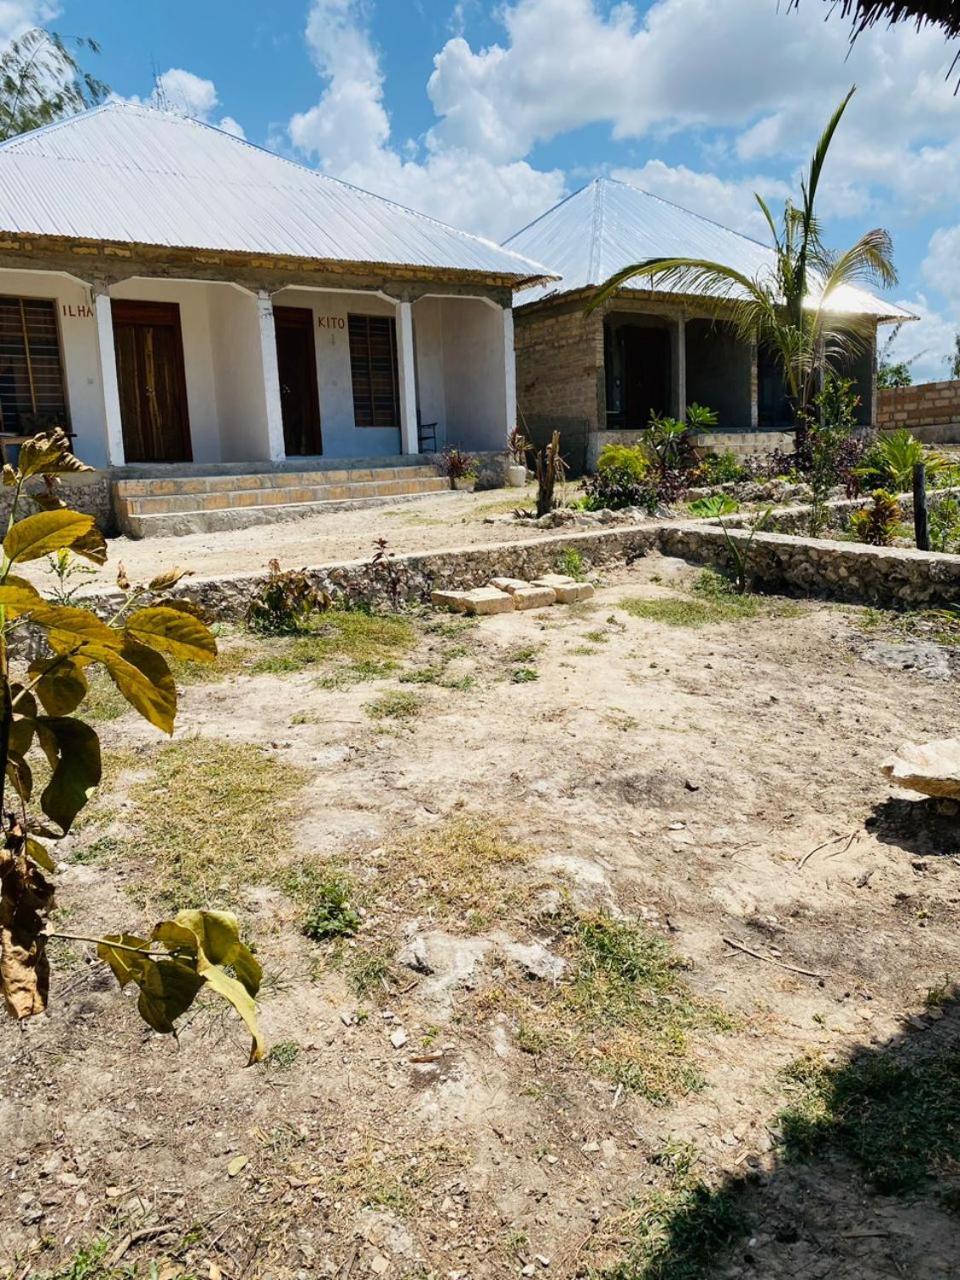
(231, 482)
(178, 523)
(229, 499)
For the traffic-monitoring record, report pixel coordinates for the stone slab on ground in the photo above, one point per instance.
(509, 584)
(568, 590)
(532, 597)
(480, 601)
(932, 768)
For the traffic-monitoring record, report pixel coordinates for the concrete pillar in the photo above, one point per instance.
(509, 370)
(108, 375)
(409, 432)
(754, 388)
(276, 449)
(679, 344)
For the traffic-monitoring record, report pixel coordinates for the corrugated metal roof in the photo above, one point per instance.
(126, 173)
(608, 224)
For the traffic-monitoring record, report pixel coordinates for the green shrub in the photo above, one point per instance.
(288, 603)
(890, 460)
(718, 504)
(944, 524)
(329, 913)
(879, 523)
(629, 460)
(721, 468)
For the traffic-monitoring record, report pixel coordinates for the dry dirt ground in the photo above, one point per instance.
(435, 521)
(537, 1054)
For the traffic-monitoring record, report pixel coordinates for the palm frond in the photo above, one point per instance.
(680, 275)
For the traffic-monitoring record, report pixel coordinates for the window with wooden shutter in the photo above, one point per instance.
(373, 367)
(31, 368)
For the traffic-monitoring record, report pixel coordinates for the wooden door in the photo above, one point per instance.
(297, 366)
(153, 388)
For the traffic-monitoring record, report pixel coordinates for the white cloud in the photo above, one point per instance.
(187, 94)
(770, 75)
(730, 203)
(926, 343)
(18, 16)
(941, 266)
(348, 131)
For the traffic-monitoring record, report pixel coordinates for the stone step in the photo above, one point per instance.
(156, 486)
(175, 501)
(179, 523)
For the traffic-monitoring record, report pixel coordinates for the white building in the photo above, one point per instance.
(174, 295)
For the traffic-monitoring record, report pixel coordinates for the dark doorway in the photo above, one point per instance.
(774, 407)
(297, 364)
(645, 362)
(153, 389)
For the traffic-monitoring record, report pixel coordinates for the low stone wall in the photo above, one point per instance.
(777, 562)
(85, 491)
(931, 410)
(886, 576)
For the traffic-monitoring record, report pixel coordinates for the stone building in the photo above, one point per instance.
(598, 377)
(221, 329)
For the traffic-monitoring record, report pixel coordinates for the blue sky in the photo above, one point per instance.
(484, 114)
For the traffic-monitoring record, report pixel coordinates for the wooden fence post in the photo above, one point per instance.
(921, 524)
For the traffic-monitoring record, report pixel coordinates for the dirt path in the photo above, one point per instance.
(442, 1103)
(434, 522)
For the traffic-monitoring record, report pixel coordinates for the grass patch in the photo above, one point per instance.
(359, 643)
(898, 1121)
(284, 1054)
(570, 562)
(326, 895)
(398, 704)
(462, 866)
(679, 1229)
(208, 822)
(715, 601)
(525, 675)
(623, 1009)
(369, 972)
(941, 626)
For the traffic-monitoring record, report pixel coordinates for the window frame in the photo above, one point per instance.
(55, 303)
(366, 317)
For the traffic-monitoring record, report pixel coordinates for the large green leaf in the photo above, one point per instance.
(45, 532)
(73, 752)
(218, 937)
(18, 596)
(126, 966)
(177, 633)
(242, 1001)
(167, 990)
(61, 686)
(144, 679)
(69, 626)
(23, 727)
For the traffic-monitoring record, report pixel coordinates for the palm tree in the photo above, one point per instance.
(786, 307)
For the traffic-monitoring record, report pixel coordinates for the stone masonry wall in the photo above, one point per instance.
(560, 376)
(930, 409)
(777, 562)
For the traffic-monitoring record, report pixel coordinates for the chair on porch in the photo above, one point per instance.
(426, 436)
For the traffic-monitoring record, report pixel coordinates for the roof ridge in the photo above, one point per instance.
(596, 231)
(546, 213)
(672, 204)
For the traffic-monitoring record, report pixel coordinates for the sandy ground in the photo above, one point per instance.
(676, 775)
(433, 522)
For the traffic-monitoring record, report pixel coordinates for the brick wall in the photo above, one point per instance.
(930, 405)
(560, 378)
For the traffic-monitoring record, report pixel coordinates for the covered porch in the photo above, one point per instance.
(658, 359)
(166, 373)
